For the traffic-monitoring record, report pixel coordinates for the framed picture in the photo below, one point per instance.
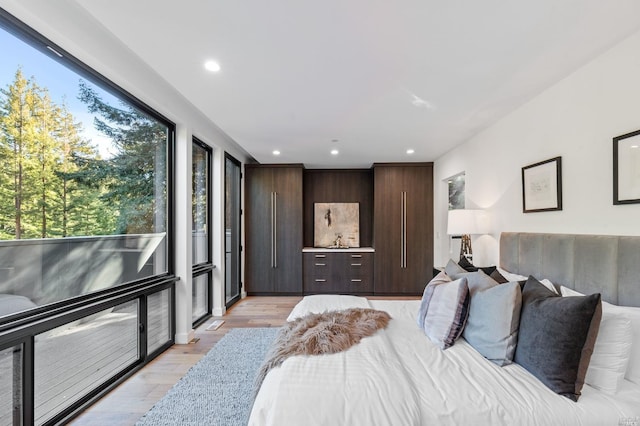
(336, 225)
(626, 168)
(542, 186)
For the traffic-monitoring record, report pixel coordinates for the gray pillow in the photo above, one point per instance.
(556, 337)
(477, 281)
(453, 268)
(492, 326)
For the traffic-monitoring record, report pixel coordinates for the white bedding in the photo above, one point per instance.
(398, 377)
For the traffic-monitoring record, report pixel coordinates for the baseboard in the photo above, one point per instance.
(185, 338)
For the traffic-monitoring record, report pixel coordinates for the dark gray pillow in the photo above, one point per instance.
(452, 268)
(492, 326)
(556, 337)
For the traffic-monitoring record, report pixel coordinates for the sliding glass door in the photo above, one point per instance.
(232, 230)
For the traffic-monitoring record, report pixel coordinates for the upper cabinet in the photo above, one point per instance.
(273, 234)
(403, 227)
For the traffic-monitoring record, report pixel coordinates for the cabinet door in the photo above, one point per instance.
(258, 230)
(418, 185)
(288, 232)
(387, 231)
(403, 230)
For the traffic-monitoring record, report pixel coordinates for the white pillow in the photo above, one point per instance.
(612, 350)
(516, 277)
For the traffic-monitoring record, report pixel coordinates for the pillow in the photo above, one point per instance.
(444, 310)
(509, 276)
(612, 350)
(492, 326)
(497, 277)
(468, 266)
(556, 337)
(476, 281)
(633, 369)
(452, 268)
(548, 284)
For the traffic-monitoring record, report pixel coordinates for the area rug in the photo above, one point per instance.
(218, 390)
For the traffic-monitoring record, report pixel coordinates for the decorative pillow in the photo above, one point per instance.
(509, 276)
(468, 266)
(453, 268)
(633, 369)
(497, 277)
(492, 326)
(612, 350)
(556, 337)
(477, 281)
(444, 310)
(548, 284)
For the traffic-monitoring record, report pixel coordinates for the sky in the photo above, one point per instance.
(61, 83)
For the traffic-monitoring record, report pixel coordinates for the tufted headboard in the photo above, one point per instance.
(604, 264)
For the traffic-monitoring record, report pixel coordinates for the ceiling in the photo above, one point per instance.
(370, 78)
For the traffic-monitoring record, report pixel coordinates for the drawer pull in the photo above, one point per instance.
(356, 281)
(321, 264)
(318, 280)
(356, 256)
(356, 264)
(322, 256)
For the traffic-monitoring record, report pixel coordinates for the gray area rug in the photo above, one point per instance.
(218, 390)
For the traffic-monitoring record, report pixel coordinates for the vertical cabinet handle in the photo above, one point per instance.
(271, 227)
(275, 229)
(403, 225)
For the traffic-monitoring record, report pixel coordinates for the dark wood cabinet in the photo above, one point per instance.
(403, 227)
(273, 229)
(341, 272)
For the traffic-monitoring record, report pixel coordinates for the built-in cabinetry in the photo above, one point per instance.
(273, 229)
(396, 219)
(402, 227)
(338, 271)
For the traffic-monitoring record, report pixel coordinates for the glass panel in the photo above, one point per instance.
(200, 296)
(200, 204)
(158, 319)
(75, 358)
(232, 229)
(83, 173)
(11, 386)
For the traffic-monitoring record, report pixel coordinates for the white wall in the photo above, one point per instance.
(576, 119)
(72, 28)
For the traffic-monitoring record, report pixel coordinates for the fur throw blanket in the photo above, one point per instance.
(324, 333)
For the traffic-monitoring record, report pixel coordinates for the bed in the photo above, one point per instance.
(399, 377)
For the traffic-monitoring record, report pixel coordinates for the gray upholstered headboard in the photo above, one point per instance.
(604, 264)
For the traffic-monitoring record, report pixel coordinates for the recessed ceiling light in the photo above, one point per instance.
(634, 146)
(334, 152)
(212, 66)
(410, 151)
(276, 152)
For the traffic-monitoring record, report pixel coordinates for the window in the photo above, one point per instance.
(83, 179)
(86, 275)
(201, 232)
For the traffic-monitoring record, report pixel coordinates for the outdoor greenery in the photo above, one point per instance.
(54, 183)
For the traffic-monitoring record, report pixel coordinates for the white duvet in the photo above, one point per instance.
(398, 377)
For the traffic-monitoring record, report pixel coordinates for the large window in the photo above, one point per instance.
(86, 276)
(83, 179)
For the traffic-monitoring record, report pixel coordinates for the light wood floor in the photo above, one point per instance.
(133, 398)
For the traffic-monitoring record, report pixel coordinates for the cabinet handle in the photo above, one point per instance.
(358, 256)
(356, 281)
(356, 264)
(275, 229)
(404, 230)
(321, 256)
(321, 264)
(318, 280)
(272, 233)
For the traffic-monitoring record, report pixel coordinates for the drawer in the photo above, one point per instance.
(338, 272)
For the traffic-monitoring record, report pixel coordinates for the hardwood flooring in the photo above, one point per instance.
(132, 399)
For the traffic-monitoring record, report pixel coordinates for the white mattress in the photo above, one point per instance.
(398, 377)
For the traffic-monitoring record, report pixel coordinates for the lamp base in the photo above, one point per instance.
(465, 248)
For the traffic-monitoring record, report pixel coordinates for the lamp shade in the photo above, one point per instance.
(467, 222)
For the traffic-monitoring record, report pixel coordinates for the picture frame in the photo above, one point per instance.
(626, 168)
(336, 225)
(542, 186)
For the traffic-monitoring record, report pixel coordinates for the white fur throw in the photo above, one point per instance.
(324, 333)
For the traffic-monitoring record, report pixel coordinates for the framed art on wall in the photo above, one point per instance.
(542, 186)
(626, 168)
